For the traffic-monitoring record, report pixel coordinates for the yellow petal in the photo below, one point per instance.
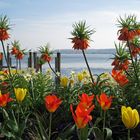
(136, 117)
(80, 77)
(131, 116)
(20, 94)
(126, 119)
(64, 81)
(123, 108)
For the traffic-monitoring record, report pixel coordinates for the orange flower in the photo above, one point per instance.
(81, 35)
(126, 34)
(124, 65)
(120, 77)
(135, 50)
(81, 115)
(4, 99)
(46, 57)
(86, 100)
(14, 51)
(115, 62)
(19, 55)
(81, 44)
(138, 32)
(120, 65)
(52, 103)
(104, 101)
(1, 56)
(3, 34)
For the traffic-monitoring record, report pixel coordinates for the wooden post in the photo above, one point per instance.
(58, 62)
(38, 66)
(30, 60)
(58, 67)
(35, 60)
(1, 61)
(8, 56)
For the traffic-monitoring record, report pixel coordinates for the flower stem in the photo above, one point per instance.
(19, 64)
(135, 71)
(128, 73)
(5, 56)
(8, 66)
(88, 66)
(128, 136)
(83, 133)
(16, 65)
(52, 70)
(50, 125)
(104, 117)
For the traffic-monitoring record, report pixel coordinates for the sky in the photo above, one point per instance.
(38, 22)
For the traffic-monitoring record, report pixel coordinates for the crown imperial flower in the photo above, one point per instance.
(81, 35)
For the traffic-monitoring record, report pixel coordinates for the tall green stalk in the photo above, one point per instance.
(104, 117)
(134, 66)
(83, 133)
(53, 70)
(128, 134)
(5, 56)
(50, 126)
(8, 66)
(88, 66)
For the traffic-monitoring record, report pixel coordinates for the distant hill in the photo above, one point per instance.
(89, 51)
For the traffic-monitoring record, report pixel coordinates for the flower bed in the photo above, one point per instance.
(82, 106)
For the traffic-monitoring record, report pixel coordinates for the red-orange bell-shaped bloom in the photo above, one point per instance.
(120, 65)
(81, 44)
(81, 35)
(3, 34)
(19, 55)
(14, 51)
(134, 50)
(46, 57)
(4, 99)
(126, 34)
(104, 101)
(81, 116)
(52, 103)
(4, 27)
(120, 78)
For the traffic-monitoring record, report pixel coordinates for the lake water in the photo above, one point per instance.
(99, 62)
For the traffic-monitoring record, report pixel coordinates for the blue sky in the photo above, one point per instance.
(37, 22)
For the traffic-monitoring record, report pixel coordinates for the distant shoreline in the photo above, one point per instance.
(89, 51)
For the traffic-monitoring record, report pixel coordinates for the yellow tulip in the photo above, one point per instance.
(85, 74)
(20, 94)
(64, 81)
(130, 117)
(80, 77)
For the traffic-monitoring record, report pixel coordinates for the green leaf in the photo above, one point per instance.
(98, 133)
(97, 121)
(67, 132)
(41, 129)
(108, 134)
